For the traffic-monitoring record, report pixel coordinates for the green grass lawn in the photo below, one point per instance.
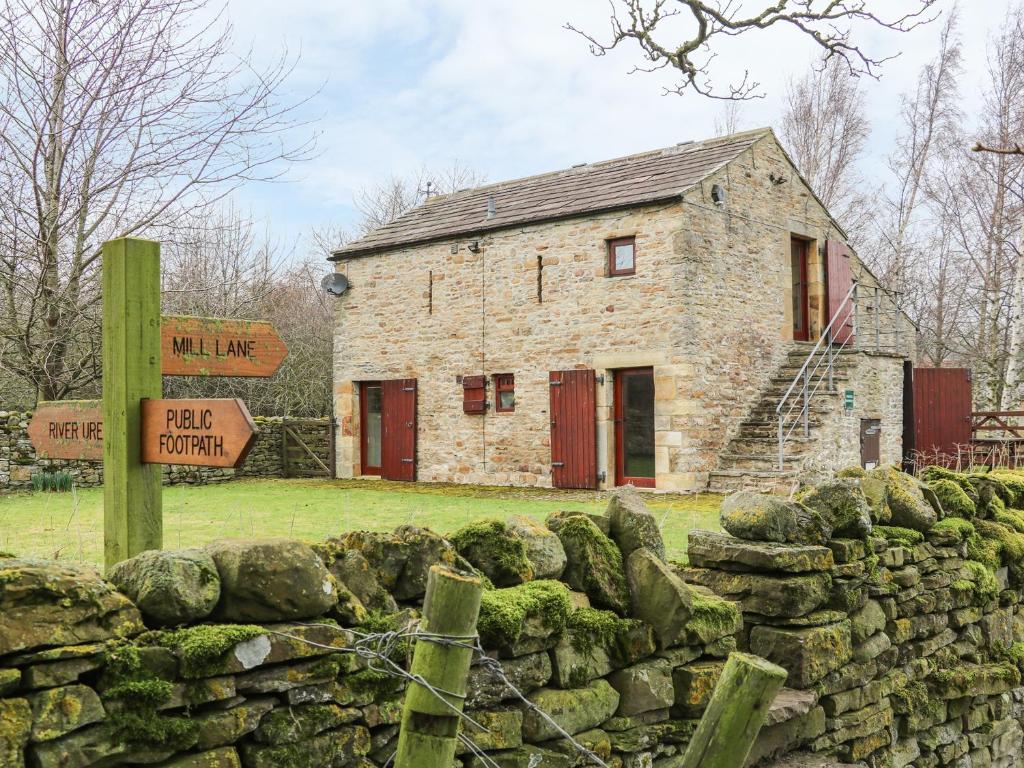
(70, 525)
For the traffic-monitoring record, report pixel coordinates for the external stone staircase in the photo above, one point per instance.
(750, 461)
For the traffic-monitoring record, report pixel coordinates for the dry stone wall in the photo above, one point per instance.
(18, 460)
(899, 642)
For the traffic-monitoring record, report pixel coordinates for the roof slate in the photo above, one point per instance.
(649, 177)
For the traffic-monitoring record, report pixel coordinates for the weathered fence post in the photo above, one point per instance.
(735, 713)
(132, 512)
(430, 728)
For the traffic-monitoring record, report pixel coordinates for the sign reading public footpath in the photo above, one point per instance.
(209, 433)
(210, 346)
(68, 429)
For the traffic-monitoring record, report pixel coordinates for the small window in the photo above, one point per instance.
(622, 256)
(504, 392)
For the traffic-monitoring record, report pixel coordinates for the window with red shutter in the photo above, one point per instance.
(474, 394)
(504, 393)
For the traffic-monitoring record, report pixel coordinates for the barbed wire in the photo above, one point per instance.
(381, 647)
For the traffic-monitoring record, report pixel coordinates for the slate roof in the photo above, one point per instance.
(626, 182)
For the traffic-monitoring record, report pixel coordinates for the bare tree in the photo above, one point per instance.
(218, 265)
(930, 116)
(654, 26)
(383, 203)
(115, 118)
(729, 118)
(824, 127)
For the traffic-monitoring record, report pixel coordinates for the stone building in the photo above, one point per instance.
(636, 320)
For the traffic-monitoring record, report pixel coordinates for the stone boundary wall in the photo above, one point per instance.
(18, 460)
(900, 645)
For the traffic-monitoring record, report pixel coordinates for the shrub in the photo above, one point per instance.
(52, 482)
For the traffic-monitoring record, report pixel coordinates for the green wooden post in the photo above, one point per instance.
(132, 512)
(430, 729)
(735, 713)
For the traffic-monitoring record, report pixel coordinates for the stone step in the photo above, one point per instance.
(730, 480)
(769, 430)
(768, 461)
(766, 445)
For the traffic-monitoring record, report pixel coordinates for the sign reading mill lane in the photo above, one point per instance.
(210, 346)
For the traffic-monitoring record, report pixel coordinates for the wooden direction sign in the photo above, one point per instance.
(209, 346)
(206, 433)
(68, 429)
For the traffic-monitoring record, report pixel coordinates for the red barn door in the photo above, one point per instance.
(573, 431)
(398, 430)
(942, 410)
(839, 280)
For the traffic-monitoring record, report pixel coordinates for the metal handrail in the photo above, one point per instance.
(827, 353)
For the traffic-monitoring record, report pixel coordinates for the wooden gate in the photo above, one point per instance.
(942, 411)
(573, 431)
(839, 280)
(307, 447)
(398, 430)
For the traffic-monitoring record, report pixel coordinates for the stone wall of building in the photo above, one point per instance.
(709, 308)
(877, 384)
(901, 647)
(18, 460)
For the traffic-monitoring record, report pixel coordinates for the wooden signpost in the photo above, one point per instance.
(208, 346)
(132, 429)
(208, 433)
(68, 429)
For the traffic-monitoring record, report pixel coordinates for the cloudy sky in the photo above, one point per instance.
(505, 89)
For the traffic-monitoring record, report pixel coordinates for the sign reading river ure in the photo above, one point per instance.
(68, 429)
(209, 433)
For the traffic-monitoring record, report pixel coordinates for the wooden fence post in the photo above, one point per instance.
(735, 713)
(430, 728)
(132, 512)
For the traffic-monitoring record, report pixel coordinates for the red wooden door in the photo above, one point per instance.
(839, 279)
(398, 430)
(942, 410)
(573, 431)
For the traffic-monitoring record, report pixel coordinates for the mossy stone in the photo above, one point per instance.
(955, 502)
(710, 549)
(842, 505)
(526, 673)
(224, 757)
(643, 687)
(50, 603)
(761, 517)
(353, 570)
(170, 588)
(490, 546)
(221, 727)
(594, 564)
(693, 686)
(504, 731)
(341, 746)
(659, 597)
(15, 727)
(10, 679)
(58, 711)
(907, 503)
(790, 595)
(271, 580)
(574, 710)
(524, 618)
(544, 549)
(807, 654)
(631, 524)
(974, 680)
(287, 725)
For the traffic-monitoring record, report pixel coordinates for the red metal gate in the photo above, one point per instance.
(839, 281)
(573, 431)
(398, 429)
(942, 410)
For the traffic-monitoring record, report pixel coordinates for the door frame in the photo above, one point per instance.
(364, 468)
(619, 428)
(803, 333)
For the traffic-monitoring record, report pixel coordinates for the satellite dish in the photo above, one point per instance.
(335, 284)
